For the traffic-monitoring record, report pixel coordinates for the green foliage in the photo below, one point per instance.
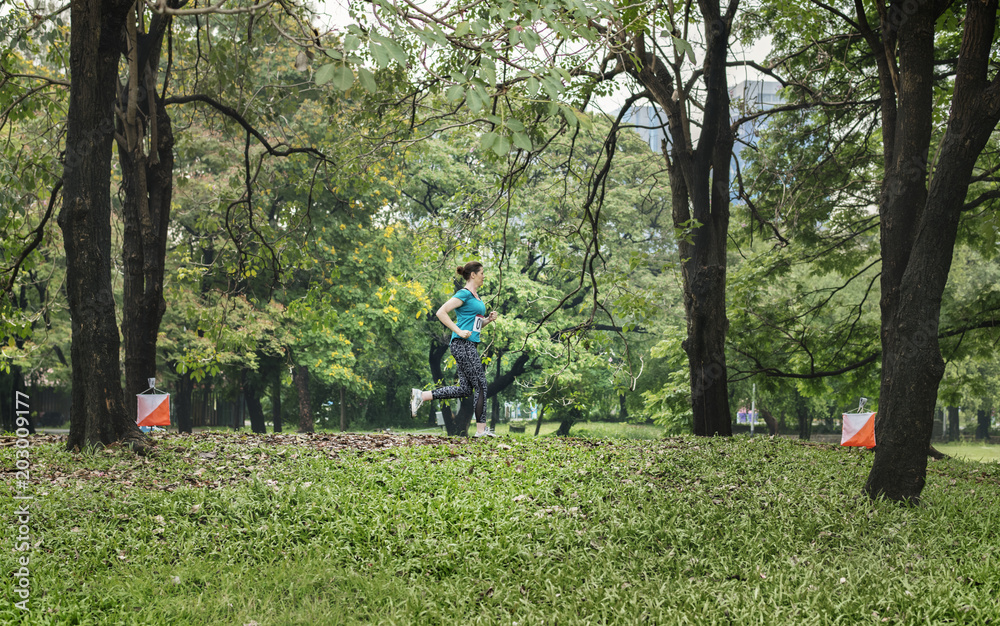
(670, 404)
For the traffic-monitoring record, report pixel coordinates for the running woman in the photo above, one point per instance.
(471, 317)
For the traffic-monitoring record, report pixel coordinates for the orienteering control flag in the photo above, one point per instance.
(859, 430)
(154, 409)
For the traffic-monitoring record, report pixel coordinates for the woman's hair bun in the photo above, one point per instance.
(461, 270)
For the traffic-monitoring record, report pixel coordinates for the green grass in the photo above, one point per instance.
(971, 451)
(240, 529)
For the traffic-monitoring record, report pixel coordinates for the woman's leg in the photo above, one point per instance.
(479, 401)
(471, 379)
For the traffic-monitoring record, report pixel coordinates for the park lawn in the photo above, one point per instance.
(971, 451)
(384, 529)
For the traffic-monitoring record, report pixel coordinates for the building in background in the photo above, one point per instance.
(746, 97)
(649, 122)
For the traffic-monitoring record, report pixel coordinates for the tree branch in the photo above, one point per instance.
(239, 119)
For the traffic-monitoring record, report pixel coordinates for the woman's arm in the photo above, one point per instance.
(492, 318)
(442, 314)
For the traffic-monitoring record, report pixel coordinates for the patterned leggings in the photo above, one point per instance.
(470, 374)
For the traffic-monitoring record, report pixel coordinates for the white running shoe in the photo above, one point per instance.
(486, 433)
(416, 399)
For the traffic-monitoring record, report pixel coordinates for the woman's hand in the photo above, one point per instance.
(493, 316)
(464, 334)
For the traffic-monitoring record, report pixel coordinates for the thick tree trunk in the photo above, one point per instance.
(252, 390)
(953, 424)
(99, 414)
(8, 408)
(704, 304)
(918, 227)
(567, 421)
(983, 424)
(183, 403)
(300, 374)
(12, 420)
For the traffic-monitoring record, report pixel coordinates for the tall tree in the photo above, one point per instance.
(919, 208)
(699, 185)
(148, 181)
(99, 414)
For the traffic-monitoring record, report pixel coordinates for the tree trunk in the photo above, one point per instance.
(99, 411)
(699, 179)
(937, 431)
(622, 408)
(252, 390)
(146, 211)
(148, 186)
(919, 224)
(983, 424)
(953, 424)
(538, 426)
(772, 424)
(12, 420)
(567, 421)
(9, 406)
(300, 374)
(184, 392)
(464, 417)
(276, 399)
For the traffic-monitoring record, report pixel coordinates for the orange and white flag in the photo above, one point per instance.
(154, 409)
(859, 430)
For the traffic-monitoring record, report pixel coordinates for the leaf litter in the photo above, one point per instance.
(207, 459)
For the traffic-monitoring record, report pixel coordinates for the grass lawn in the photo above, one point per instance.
(971, 451)
(222, 528)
